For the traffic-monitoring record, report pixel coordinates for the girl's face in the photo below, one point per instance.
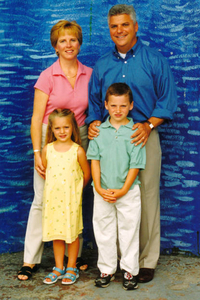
(62, 129)
(67, 45)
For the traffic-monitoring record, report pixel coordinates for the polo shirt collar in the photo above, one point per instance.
(58, 71)
(132, 51)
(107, 123)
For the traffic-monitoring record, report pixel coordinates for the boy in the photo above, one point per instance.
(115, 164)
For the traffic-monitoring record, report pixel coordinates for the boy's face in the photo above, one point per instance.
(118, 108)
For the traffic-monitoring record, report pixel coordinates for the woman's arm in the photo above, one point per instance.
(40, 102)
(82, 159)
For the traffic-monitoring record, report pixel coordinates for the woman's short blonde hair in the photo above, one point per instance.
(62, 25)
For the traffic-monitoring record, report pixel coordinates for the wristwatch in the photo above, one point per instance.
(150, 124)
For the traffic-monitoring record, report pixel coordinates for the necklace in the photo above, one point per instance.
(71, 76)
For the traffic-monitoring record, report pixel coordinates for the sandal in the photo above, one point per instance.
(71, 276)
(81, 264)
(27, 271)
(54, 278)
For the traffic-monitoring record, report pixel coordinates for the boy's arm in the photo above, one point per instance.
(107, 195)
(131, 176)
(82, 159)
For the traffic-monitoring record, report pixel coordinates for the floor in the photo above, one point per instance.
(176, 277)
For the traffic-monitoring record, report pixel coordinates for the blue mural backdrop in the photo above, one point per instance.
(170, 26)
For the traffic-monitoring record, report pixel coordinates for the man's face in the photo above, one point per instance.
(123, 32)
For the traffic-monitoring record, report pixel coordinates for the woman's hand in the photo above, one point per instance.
(39, 166)
(93, 131)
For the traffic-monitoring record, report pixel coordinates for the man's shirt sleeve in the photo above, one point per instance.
(96, 105)
(165, 89)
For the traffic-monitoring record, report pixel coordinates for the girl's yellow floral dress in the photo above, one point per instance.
(62, 200)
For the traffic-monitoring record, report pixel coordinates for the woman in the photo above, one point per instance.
(63, 85)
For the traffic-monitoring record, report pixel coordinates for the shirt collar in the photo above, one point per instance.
(58, 71)
(107, 123)
(133, 51)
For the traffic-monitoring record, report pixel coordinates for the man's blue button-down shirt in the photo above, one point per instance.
(147, 73)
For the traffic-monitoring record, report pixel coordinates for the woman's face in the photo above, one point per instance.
(67, 45)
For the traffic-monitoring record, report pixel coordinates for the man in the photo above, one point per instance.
(148, 74)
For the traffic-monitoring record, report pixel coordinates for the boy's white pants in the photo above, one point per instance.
(120, 220)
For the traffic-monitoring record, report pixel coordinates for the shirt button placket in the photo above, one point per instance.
(124, 69)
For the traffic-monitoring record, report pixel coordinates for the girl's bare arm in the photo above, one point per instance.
(85, 166)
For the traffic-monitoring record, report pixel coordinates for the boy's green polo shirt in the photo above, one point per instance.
(116, 154)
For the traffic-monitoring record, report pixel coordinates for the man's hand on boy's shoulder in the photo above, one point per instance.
(93, 131)
(141, 134)
(143, 130)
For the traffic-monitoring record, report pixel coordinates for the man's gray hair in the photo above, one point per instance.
(120, 9)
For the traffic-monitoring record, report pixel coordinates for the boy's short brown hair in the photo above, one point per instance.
(119, 89)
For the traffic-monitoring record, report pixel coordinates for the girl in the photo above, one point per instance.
(67, 172)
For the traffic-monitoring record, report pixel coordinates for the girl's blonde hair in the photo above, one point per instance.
(63, 113)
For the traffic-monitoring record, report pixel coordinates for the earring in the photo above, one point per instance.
(57, 53)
